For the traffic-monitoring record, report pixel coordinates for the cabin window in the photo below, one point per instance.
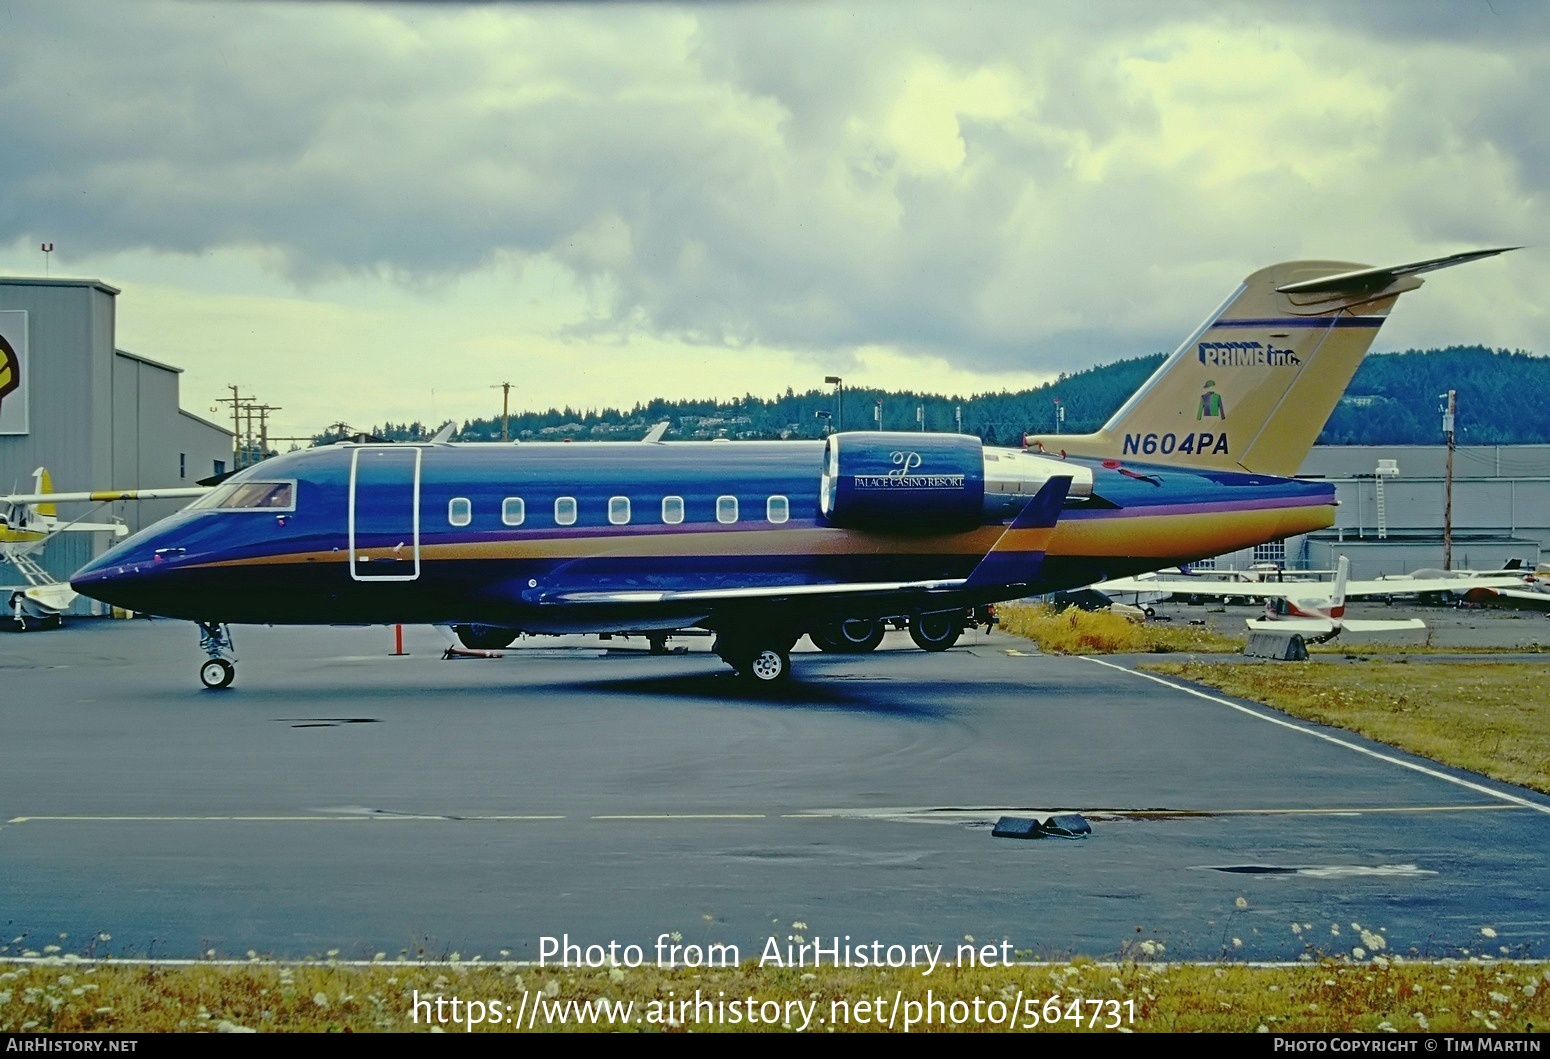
(726, 509)
(565, 511)
(513, 511)
(182, 465)
(672, 510)
(777, 509)
(459, 511)
(619, 510)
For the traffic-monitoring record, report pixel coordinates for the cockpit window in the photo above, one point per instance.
(249, 496)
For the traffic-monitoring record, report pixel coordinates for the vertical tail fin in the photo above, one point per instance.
(1337, 601)
(1253, 387)
(42, 482)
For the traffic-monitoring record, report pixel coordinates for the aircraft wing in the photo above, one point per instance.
(1200, 586)
(1405, 586)
(1009, 562)
(104, 496)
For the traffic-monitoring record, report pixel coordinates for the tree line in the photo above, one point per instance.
(1393, 400)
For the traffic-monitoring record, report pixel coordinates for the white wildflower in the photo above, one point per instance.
(320, 999)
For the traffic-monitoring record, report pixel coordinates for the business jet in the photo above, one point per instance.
(763, 542)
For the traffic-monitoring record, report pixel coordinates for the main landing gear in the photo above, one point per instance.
(763, 659)
(854, 636)
(215, 641)
(936, 632)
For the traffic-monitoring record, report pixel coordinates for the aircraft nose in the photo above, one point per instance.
(111, 578)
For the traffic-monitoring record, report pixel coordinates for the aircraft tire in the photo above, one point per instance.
(217, 674)
(936, 632)
(854, 636)
(767, 666)
(485, 637)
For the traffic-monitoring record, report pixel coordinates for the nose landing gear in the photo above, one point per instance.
(215, 641)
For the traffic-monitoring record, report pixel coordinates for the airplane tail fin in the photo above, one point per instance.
(43, 482)
(1337, 601)
(1252, 388)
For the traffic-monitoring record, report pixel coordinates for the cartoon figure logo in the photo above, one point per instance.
(1210, 404)
(10, 371)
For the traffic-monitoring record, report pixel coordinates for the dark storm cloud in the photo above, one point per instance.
(741, 173)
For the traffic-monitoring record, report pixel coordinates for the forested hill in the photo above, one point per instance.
(1392, 401)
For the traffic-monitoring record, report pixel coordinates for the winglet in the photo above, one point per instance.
(1008, 564)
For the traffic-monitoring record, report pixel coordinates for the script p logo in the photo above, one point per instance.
(903, 463)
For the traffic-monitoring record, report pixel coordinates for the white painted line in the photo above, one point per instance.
(1302, 727)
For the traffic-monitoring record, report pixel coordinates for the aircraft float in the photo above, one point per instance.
(763, 542)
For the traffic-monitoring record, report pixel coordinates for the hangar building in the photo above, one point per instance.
(1392, 501)
(96, 416)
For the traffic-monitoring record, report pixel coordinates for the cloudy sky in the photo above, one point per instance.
(379, 211)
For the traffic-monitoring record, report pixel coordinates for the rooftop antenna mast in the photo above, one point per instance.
(47, 248)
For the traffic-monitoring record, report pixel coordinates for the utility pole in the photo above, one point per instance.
(235, 400)
(958, 416)
(505, 389)
(263, 411)
(920, 417)
(1449, 418)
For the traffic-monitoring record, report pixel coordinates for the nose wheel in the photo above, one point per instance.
(215, 640)
(217, 673)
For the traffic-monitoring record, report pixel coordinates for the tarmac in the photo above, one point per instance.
(339, 800)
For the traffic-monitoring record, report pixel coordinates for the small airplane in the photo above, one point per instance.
(1532, 593)
(1319, 616)
(761, 543)
(28, 521)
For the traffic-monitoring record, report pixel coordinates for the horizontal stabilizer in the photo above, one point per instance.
(1371, 279)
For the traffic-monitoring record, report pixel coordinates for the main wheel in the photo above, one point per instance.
(936, 632)
(853, 636)
(485, 637)
(217, 673)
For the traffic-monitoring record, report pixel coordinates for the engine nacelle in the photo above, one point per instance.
(897, 481)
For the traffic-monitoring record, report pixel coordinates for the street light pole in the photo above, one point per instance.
(839, 400)
(505, 389)
(1448, 419)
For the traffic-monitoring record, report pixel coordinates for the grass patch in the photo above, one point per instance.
(1323, 996)
(1491, 718)
(1080, 632)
